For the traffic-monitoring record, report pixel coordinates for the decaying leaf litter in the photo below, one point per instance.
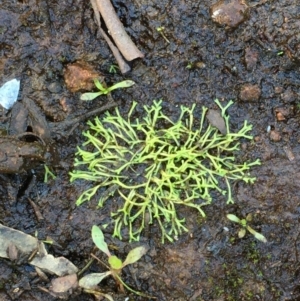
(255, 64)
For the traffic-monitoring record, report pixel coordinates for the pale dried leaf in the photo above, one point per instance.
(91, 280)
(64, 284)
(135, 254)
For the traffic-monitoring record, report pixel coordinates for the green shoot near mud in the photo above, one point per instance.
(48, 174)
(153, 165)
(105, 90)
(244, 226)
(161, 31)
(115, 265)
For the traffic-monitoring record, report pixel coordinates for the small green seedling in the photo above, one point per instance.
(105, 90)
(245, 226)
(189, 65)
(161, 31)
(113, 68)
(115, 264)
(48, 174)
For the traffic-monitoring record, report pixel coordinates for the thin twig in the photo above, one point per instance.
(124, 67)
(61, 126)
(85, 267)
(117, 32)
(37, 211)
(95, 257)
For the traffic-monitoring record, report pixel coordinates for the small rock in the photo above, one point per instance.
(244, 146)
(279, 116)
(215, 119)
(251, 57)
(9, 93)
(289, 153)
(250, 93)
(64, 104)
(257, 138)
(54, 87)
(79, 76)
(275, 136)
(288, 96)
(282, 113)
(230, 14)
(278, 90)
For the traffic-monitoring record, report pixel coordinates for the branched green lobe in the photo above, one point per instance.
(156, 165)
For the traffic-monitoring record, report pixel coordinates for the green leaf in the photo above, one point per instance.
(90, 95)
(257, 235)
(91, 280)
(99, 85)
(233, 218)
(242, 233)
(123, 84)
(98, 239)
(243, 222)
(49, 173)
(115, 263)
(134, 255)
(249, 217)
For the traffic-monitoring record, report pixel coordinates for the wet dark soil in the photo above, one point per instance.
(256, 64)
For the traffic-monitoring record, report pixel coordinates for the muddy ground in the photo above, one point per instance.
(203, 61)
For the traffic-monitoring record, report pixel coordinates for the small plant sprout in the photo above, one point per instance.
(115, 264)
(189, 65)
(113, 68)
(105, 90)
(48, 173)
(161, 31)
(245, 226)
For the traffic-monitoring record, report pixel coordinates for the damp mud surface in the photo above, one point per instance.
(199, 55)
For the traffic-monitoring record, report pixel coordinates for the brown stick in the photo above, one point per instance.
(124, 67)
(36, 209)
(58, 127)
(117, 31)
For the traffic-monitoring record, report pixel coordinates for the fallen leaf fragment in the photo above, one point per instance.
(90, 281)
(25, 243)
(59, 266)
(64, 284)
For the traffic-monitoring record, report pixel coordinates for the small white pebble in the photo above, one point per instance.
(9, 93)
(216, 13)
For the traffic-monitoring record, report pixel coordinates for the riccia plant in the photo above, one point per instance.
(155, 165)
